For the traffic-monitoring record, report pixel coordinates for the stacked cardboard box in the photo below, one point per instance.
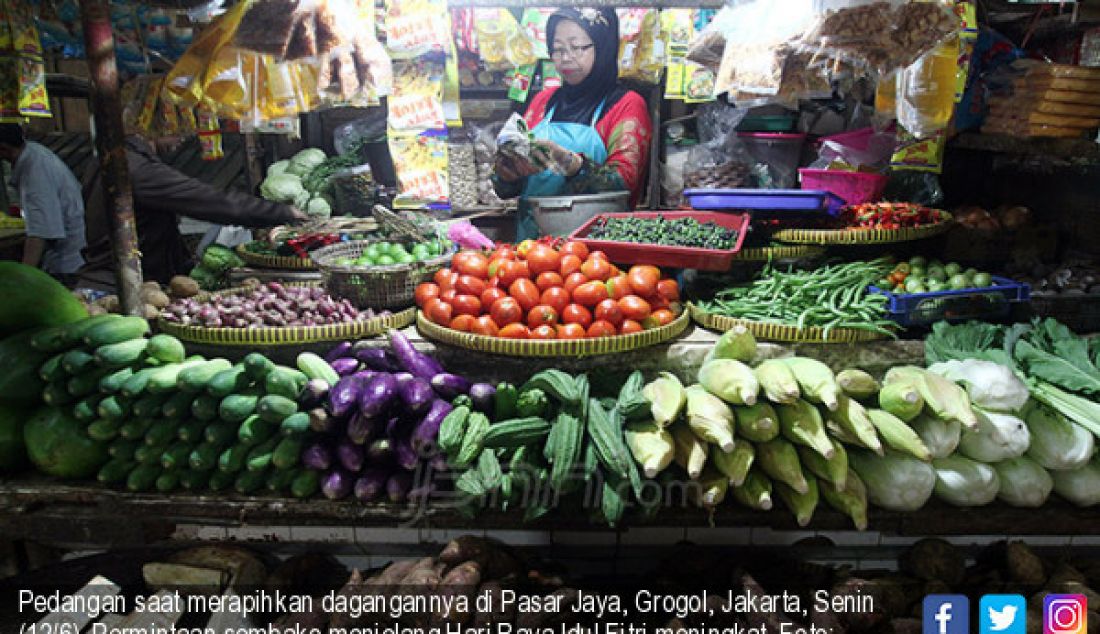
(1049, 100)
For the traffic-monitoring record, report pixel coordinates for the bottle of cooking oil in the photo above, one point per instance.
(926, 90)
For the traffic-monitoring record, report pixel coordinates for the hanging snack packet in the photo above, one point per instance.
(417, 102)
(420, 160)
(416, 27)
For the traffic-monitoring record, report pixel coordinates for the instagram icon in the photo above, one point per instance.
(1064, 614)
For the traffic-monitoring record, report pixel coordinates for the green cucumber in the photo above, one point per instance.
(82, 385)
(178, 405)
(168, 481)
(57, 394)
(115, 471)
(112, 383)
(278, 481)
(121, 355)
(220, 433)
(194, 480)
(275, 409)
(52, 370)
(175, 457)
(232, 459)
(59, 338)
(103, 430)
(235, 408)
(287, 452)
(220, 480)
(315, 367)
(258, 366)
(285, 382)
(191, 431)
(228, 381)
(77, 361)
(136, 384)
(161, 432)
(307, 484)
(295, 424)
(150, 454)
(135, 429)
(144, 476)
(164, 380)
(205, 407)
(260, 457)
(255, 430)
(114, 408)
(249, 482)
(116, 331)
(196, 378)
(149, 406)
(166, 349)
(85, 409)
(122, 448)
(204, 457)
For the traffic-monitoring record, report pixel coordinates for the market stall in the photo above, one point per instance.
(774, 335)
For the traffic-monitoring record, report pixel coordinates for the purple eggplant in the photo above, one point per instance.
(417, 395)
(481, 394)
(345, 366)
(424, 437)
(411, 359)
(360, 429)
(398, 487)
(396, 428)
(378, 359)
(363, 377)
(336, 485)
(370, 485)
(340, 351)
(380, 452)
(344, 396)
(407, 458)
(450, 385)
(314, 393)
(350, 456)
(378, 395)
(317, 457)
(402, 378)
(320, 421)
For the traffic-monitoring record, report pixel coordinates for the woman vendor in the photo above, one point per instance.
(594, 129)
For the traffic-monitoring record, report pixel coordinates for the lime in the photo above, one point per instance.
(912, 283)
(398, 250)
(983, 280)
(372, 251)
(385, 260)
(958, 282)
(916, 270)
(971, 272)
(937, 273)
(953, 269)
(918, 260)
(421, 252)
(936, 286)
(408, 258)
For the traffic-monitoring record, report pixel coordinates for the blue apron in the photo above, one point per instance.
(575, 137)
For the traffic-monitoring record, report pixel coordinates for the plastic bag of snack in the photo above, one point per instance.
(420, 160)
(416, 27)
(417, 101)
(185, 80)
(641, 50)
(720, 161)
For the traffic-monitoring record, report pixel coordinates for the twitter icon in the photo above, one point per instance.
(1002, 614)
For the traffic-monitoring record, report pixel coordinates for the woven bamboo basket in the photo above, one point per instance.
(861, 236)
(793, 252)
(259, 260)
(287, 336)
(375, 287)
(553, 347)
(783, 333)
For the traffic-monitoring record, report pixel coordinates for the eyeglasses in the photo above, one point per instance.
(574, 52)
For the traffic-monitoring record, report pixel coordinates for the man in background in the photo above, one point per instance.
(52, 204)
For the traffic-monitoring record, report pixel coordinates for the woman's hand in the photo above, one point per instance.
(569, 162)
(510, 169)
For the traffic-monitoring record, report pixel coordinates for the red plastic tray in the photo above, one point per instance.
(672, 257)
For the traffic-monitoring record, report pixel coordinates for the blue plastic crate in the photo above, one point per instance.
(766, 202)
(921, 309)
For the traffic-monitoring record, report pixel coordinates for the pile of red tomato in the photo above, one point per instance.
(536, 290)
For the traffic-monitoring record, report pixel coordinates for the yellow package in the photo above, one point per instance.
(148, 110)
(420, 161)
(641, 50)
(417, 102)
(678, 29)
(416, 27)
(185, 80)
(225, 82)
(188, 124)
(502, 43)
(699, 83)
(210, 135)
(18, 33)
(452, 111)
(168, 123)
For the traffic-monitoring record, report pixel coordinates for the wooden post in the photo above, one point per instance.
(110, 139)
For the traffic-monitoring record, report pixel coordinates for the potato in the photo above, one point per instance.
(150, 286)
(155, 298)
(110, 303)
(96, 309)
(183, 287)
(150, 312)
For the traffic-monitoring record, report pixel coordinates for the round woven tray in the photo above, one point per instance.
(782, 333)
(861, 236)
(378, 286)
(259, 260)
(794, 252)
(289, 336)
(552, 348)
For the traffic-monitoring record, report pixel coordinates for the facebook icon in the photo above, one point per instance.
(946, 614)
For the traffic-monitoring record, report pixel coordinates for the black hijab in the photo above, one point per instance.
(577, 104)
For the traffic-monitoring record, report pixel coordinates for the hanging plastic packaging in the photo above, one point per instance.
(420, 160)
(926, 91)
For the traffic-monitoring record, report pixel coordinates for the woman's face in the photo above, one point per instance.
(573, 52)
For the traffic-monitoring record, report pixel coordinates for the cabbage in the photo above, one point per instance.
(991, 386)
(281, 188)
(319, 207)
(1023, 482)
(895, 481)
(1079, 486)
(303, 162)
(301, 201)
(1056, 443)
(941, 438)
(998, 437)
(278, 167)
(963, 482)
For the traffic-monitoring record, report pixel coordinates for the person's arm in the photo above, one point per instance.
(33, 248)
(627, 130)
(510, 181)
(162, 188)
(41, 212)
